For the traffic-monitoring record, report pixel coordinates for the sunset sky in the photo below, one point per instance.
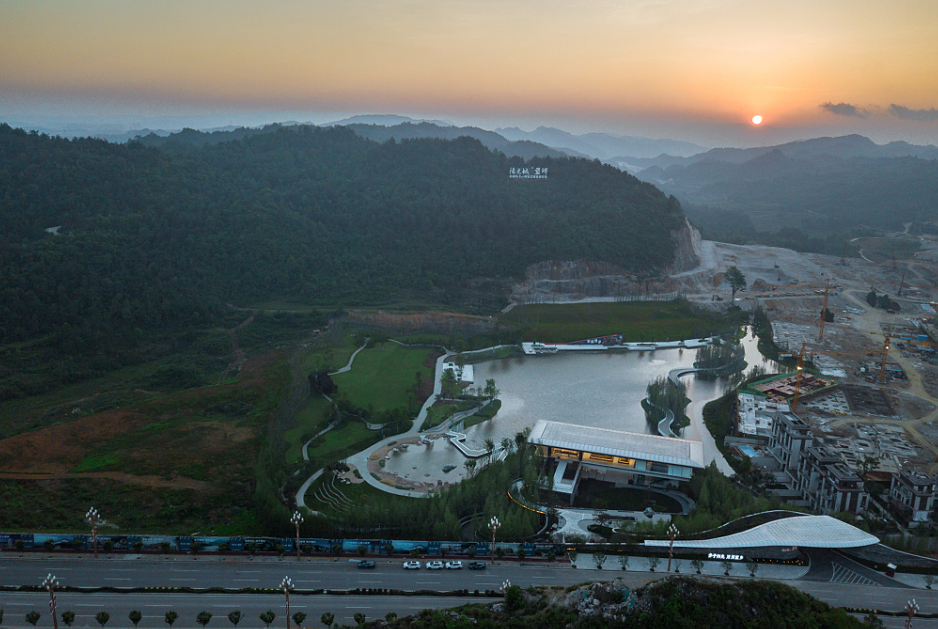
(695, 70)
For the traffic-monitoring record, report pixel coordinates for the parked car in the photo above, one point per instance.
(366, 564)
(476, 565)
(434, 565)
(412, 565)
(454, 565)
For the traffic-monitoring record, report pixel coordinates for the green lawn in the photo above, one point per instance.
(384, 377)
(637, 321)
(334, 358)
(342, 442)
(313, 418)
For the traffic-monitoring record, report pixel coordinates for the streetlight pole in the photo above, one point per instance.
(287, 586)
(494, 524)
(297, 519)
(911, 607)
(672, 532)
(94, 517)
(50, 583)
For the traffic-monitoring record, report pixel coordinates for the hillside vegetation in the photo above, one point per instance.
(156, 240)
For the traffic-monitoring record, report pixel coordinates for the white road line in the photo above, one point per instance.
(117, 578)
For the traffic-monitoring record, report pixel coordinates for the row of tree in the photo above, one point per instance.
(203, 618)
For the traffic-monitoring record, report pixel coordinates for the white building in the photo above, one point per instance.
(756, 414)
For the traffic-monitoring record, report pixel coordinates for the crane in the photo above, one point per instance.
(799, 370)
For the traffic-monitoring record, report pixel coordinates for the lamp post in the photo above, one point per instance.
(94, 517)
(287, 586)
(494, 524)
(911, 607)
(50, 583)
(672, 532)
(297, 519)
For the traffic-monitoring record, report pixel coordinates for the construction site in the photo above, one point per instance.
(869, 384)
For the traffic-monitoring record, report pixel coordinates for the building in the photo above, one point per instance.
(815, 477)
(623, 458)
(828, 485)
(756, 414)
(789, 438)
(913, 495)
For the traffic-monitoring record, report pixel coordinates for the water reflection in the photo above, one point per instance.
(603, 390)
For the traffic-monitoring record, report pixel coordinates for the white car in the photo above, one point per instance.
(434, 565)
(454, 565)
(412, 565)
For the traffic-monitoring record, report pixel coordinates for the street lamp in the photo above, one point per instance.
(494, 524)
(287, 586)
(50, 583)
(94, 517)
(911, 607)
(297, 519)
(672, 532)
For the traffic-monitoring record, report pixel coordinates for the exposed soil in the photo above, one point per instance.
(57, 449)
(155, 482)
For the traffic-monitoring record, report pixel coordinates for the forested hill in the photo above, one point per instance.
(316, 215)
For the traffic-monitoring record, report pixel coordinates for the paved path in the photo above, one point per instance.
(351, 359)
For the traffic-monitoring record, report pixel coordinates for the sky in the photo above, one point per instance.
(695, 70)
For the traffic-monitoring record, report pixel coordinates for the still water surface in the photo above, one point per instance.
(600, 389)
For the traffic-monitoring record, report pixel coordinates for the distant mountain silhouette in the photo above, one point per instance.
(386, 120)
(603, 146)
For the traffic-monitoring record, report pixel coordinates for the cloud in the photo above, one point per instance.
(843, 109)
(905, 113)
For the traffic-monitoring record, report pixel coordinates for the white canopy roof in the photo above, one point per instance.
(629, 445)
(810, 531)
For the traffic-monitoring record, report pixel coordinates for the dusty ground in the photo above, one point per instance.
(393, 479)
(785, 283)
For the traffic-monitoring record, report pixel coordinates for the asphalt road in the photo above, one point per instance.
(842, 590)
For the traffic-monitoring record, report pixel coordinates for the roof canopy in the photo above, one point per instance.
(810, 531)
(628, 445)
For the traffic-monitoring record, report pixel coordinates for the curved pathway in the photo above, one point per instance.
(351, 359)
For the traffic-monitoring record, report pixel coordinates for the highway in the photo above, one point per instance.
(324, 573)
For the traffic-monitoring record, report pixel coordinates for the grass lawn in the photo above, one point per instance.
(384, 377)
(313, 418)
(359, 493)
(334, 358)
(343, 441)
(636, 321)
(442, 410)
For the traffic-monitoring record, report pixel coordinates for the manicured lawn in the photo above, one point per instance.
(384, 377)
(313, 418)
(333, 358)
(343, 441)
(638, 321)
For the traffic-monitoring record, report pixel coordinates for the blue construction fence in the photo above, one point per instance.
(126, 543)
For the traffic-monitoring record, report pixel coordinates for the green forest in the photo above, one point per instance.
(153, 240)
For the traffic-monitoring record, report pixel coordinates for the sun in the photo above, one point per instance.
(757, 120)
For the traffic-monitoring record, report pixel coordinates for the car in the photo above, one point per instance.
(365, 564)
(454, 565)
(434, 565)
(412, 565)
(476, 565)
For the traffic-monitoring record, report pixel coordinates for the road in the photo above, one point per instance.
(842, 588)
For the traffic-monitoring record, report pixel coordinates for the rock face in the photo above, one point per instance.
(560, 281)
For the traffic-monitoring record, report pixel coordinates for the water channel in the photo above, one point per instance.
(600, 389)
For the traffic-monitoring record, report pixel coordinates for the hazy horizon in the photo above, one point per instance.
(690, 70)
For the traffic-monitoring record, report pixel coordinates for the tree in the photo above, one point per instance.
(170, 617)
(268, 617)
(697, 564)
(490, 448)
(67, 618)
(135, 617)
(389, 549)
(102, 618)
(522, 555)
(491, 391)
(390, 617)
(33, 617)
(507, 444)
(470, 466)
(572, 555)
(653, 562)
(871, 298)
(727, 565)
(624, 561)
(298, 618)
(599, 559)
(735, 279)
(359, 618)
(752, 567)
(203, 618)
(327, 619)
(234, 617)
(362, 551)
(449, 385)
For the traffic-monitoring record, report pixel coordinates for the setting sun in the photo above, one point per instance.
(757, 120)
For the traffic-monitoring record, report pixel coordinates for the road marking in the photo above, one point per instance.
(181, 570)
(249, 580)
(117, 578)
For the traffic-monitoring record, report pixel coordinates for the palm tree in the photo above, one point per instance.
(506, 444)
